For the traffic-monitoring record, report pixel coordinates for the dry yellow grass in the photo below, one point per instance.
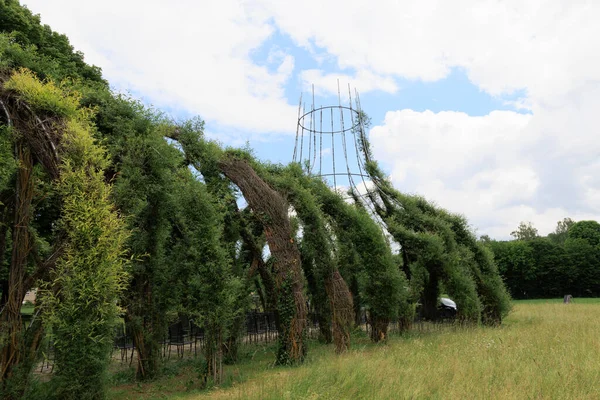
(543, 351)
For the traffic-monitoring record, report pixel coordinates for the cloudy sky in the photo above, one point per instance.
(489, 107)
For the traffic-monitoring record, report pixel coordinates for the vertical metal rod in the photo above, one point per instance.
(343, 129)
(315, 129)
(302, 137)
(333, 152)
(321, 142)
(297, 127)
(311, 132)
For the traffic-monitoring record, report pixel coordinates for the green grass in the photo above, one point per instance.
(180, 378)
(555, 301)
(544, 350)
(27, 309)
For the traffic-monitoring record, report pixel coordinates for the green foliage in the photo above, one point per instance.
(385, 287)
(583, 259)
(549, 267)
(586, 230)
(178, 228)
(517, 266)
(211, 294)
(562, 228)
(444, 251)
(79, 303)
(525, 231)
(460, 286)
(489, 287)
(204, 156)
(46, 96)
(25, 42)
(146, 190)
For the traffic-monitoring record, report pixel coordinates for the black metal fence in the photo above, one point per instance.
(184, 335)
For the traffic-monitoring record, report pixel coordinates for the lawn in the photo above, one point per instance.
(27, 309)
(544, 350)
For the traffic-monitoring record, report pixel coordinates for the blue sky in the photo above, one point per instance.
(486, 108)
(453, 93)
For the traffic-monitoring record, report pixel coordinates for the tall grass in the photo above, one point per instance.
(543, 351)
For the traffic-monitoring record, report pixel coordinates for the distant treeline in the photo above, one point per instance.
(566, 261)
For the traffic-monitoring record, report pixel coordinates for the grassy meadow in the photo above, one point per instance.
(545, 350)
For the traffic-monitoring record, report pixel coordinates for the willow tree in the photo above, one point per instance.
(203, 156)
(492, 292)
(440, 247)
(84, 273)
(428, 245)
(270, 209)
(144, 170)
(211, 292)
(24, 148)
(329, 288)
(385, 286)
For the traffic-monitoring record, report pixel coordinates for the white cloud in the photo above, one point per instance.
(546, 47)
(189, 55)
(497, 169)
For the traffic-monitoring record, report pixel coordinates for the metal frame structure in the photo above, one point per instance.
(343, 124)
(332, 125)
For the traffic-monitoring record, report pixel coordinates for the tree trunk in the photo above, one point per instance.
(146, 330)
(356, 302)
(272, 211)
(430, 297)
(342, 310)
(4, 224)
(258, 264)
(12, 352)
(379, 327)
(213, 352)
(319, 300)
(231, 344)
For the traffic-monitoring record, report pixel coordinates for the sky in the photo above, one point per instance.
(489, 108)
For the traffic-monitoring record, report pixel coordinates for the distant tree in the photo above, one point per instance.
(485, 239)
(564, 225)
(525, 231)
(516, 265)
(582, 260)
(553, 274)
(560, 233)
(587, 230)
